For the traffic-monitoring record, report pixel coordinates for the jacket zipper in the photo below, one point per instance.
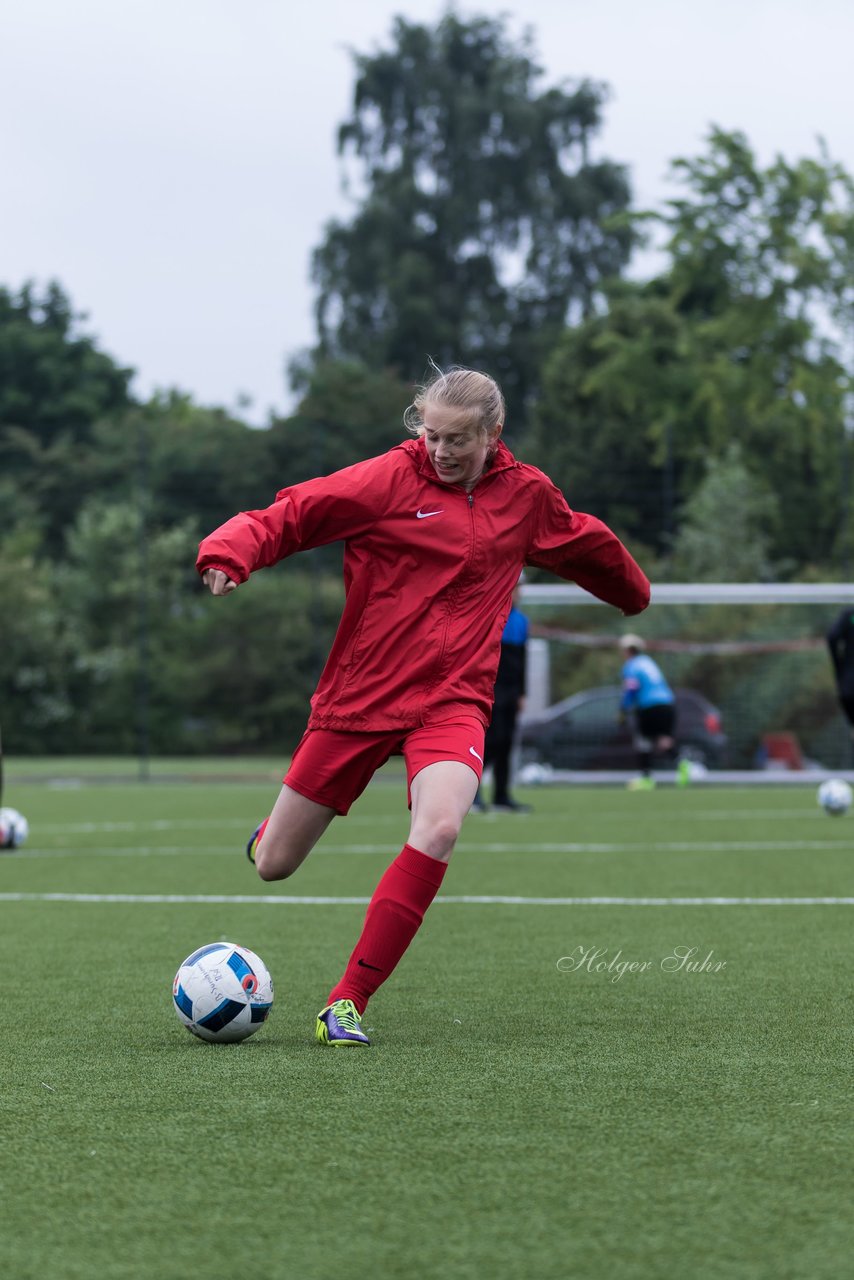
(440, 661)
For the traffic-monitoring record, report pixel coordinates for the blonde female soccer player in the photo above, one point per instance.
(435, 532)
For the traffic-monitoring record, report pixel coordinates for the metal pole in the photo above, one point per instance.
(142, 638)
(669, 486)
(845, 482)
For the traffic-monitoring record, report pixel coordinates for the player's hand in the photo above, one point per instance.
(217, 582)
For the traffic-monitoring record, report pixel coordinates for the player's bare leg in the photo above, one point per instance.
(293, 829)
(442, 795)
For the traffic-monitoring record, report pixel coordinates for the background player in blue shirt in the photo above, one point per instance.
(648, 698)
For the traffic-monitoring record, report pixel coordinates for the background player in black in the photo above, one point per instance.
(840, 641)
(509, 700)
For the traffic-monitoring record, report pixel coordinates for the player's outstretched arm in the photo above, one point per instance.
(582, 549)
(311, 514)
(217, 582)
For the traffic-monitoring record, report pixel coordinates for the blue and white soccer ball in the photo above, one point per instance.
(223, 992)
(14, 829)
(834, 796)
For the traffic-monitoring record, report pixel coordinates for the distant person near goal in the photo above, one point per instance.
(435, 533)
(650, 702)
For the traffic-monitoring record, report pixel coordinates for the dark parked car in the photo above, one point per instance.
(584, 732)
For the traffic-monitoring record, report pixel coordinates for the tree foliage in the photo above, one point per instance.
(728, 526)
(484, 217)
(741, 339)
(188, 463)
(347, 412)
(702, 412)
(55, 384)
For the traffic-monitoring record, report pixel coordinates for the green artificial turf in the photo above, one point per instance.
(510, 1119)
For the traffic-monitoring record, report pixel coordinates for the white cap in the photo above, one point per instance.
(632, 642)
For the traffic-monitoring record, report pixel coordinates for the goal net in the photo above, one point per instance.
(757, 653)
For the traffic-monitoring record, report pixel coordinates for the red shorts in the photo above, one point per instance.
(333, 767)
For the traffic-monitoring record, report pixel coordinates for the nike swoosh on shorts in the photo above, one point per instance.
(476, 756)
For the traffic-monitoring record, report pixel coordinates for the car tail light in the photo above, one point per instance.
(712, 722)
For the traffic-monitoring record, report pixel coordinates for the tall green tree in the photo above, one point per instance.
(484, 218)
(123, 603)
(728, 526)
(347, 412)
(55, 385)
(741, 339)
(191, 463)
(37, 649)
(604, 426)
(763, 274)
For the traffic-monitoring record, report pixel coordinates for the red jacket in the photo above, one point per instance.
(428, 574)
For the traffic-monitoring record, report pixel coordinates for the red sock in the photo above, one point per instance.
(395, 912)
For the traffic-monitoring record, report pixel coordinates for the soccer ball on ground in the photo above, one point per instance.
(223, 992)
(14, 829)
(535, 774)
(834, 796)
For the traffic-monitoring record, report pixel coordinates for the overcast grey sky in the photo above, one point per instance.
(172, 162)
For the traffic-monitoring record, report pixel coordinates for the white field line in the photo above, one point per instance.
(463, 847)
(278, 900)
(382, 820)
(193, 824)
(154, 824)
